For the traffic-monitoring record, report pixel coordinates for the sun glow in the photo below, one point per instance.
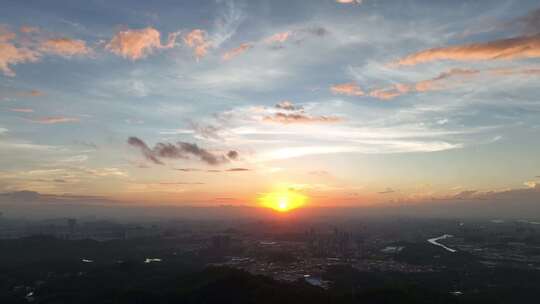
(283, 201)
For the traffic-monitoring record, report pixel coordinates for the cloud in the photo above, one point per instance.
(32, 93)
(29, 29)
(237, 169)
(502, 49)
(514, 71)
(292, 118)
(530, 23)
(237, 51)
(531, 184)
(195, 150)
(385, 94)
(139, 43)
(227, 23)
(55, 120)
(180, 150)
(181, 183)
(15, 50)
(232, 155)
(298, 36)
(145, 150)
(188, 169)
(278, 37)
(197, 39)
(26, 196)
(350, 89)
(11, 53)
(284, 112)
(65, 47)
(214, 170)
(442, 81)
(22, 110)
(13, 94)
(349, 1)
(438, 83)
(75, 159)
(206, 131)
(466, 194)
(316, 30)
(287, 105)
(387, 191)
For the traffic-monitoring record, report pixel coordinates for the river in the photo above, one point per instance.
(435, 242)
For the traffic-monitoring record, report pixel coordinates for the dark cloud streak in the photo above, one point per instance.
(180, 150)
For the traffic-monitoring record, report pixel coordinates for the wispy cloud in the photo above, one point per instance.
(22, 110)
(350, 89)
(188, 169)
(278, 37)
(237, 51)
(442, 81)
(289, 113)
(349, 1)
(292, 118)
(237, 169)
(65, 47)
(449, 79)
(31, 93)
(139, 43)
(206, 131)
(55, 120)
(227, 23)
(387, 191)
(502, 49)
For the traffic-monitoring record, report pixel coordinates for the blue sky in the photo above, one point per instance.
(349, 103)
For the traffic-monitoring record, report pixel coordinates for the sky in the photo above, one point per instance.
(202, 103)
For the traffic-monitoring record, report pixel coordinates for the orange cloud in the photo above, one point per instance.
(513, 71)
(385, 94)
(32, 93)
(349, 1)
(11, 54)
(65, 47)
(502, 49)
(29, 29)
(278, 37)
(350, 88)
(438, 83)
(292, 118)
(197, 40)
(55, 120)
(237, 51)
(36, 93)
(139, 43)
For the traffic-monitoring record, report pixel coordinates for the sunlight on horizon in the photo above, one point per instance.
(283, 201)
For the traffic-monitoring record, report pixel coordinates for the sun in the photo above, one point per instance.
(283, 201)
